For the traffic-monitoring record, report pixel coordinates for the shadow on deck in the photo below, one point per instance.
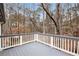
(33, 49)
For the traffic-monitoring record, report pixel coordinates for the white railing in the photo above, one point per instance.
(65, 43)
(14, 40)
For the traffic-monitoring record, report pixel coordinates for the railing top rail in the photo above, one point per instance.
(10, 35)
(60, 36)
(46, 34)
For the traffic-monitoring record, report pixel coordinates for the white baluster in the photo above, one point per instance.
(56, 41)
(53, 40)
(65, 44)
(68, 44)
(0, 35)
(0, 44)
(71, 45)
(74, 45)
(78, 48)
(60, 43)
(0, 38)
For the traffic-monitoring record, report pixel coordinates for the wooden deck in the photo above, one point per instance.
(33, 49)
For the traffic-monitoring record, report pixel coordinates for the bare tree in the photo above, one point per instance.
(56, 25)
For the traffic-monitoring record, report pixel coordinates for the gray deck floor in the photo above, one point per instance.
(32, 49)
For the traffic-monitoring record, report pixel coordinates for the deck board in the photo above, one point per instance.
(33, 49)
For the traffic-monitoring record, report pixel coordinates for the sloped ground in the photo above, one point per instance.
(32, 49)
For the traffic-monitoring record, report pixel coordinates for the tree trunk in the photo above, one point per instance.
(57, 28)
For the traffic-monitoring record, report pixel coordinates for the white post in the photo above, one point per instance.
(35, 37)
(20, 39)
(0, 38)
(51, 41)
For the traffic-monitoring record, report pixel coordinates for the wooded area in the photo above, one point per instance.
(55, 18)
